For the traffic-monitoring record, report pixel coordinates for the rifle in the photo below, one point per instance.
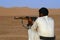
(27, 18)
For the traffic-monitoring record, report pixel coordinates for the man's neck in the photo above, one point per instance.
(43, 16)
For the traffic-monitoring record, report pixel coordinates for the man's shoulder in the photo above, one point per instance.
(42, 18)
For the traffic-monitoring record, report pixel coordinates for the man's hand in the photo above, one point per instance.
(30, 21)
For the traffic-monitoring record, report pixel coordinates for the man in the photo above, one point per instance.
(44, 25)
(32, 35)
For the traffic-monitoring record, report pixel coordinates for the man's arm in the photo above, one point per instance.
(34, 26)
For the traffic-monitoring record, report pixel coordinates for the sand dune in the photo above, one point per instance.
(24, 11)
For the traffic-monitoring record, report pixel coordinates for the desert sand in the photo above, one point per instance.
(11, 29)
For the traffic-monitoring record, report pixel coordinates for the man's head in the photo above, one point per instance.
(43, 12)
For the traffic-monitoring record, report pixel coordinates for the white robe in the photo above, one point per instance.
(33, 35)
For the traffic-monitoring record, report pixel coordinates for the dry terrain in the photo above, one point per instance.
(11, 29)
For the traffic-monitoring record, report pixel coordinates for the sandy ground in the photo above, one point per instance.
(11, 29)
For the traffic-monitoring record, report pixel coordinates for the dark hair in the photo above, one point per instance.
(43, 11)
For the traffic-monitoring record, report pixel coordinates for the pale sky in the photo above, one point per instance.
(30, 3)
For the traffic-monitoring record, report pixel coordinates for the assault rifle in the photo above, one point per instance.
(26, 17)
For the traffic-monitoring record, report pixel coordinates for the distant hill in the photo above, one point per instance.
(24, 11)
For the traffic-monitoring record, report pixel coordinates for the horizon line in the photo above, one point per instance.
(26, 7)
